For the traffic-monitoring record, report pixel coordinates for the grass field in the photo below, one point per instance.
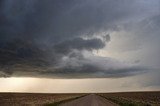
(33, 99)
(134, 98)
(40, 99)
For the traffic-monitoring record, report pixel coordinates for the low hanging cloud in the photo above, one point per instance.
(78, 44)
(57, 38)
(94, 67)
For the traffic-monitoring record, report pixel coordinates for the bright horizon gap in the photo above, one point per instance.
(39, 85)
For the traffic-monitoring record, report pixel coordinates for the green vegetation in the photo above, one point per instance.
(125, 102)
(63, 101)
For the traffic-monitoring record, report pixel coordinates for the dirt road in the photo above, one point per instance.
(90, 100)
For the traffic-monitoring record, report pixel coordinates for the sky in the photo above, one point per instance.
(79, 46)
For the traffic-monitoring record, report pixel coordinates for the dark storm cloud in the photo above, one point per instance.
(94, 71)
(78, 44)
(56, 20)
(37, 36)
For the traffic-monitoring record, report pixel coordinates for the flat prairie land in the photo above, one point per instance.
(33, 99)
(151, 98)
(79, 99)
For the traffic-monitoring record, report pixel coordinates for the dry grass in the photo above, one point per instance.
(134, 98)
(123, 99)
(31, 99)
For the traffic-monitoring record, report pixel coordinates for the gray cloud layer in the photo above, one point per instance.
(51, 37)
